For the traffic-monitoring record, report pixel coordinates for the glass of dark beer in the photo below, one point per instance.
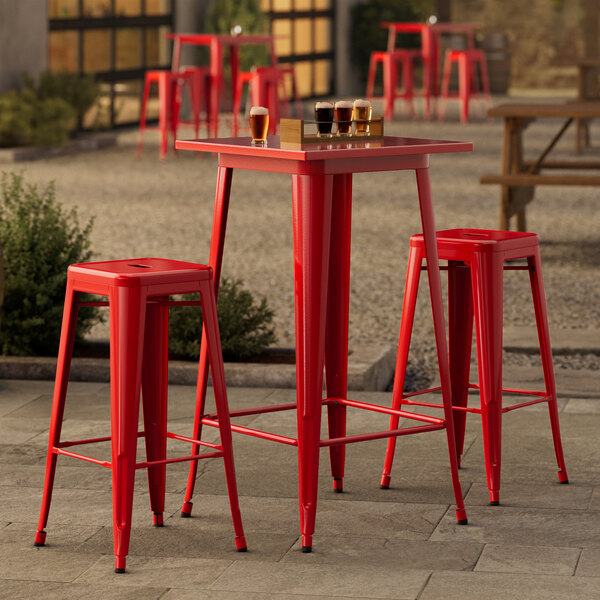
(342, 113)
(324, 118)
(362, 116)
(259, 124)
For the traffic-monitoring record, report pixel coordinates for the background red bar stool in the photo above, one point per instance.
(169, 100)
(476, 268)
(470, 83)
(138, 293)
(264, 86)
(390, 62)
(199, 86)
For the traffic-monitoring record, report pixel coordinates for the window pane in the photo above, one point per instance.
(304, 77)
(63, 9)
(283, 45)
(96, 50)
(127, 101)
(99, 115)
(282, 5)
(96, 8)
(128, 8)
(158, 7)
(322, 4)
(322, 35)
(64, 51)
(302, 36)
(128, 48)
(265, 5)
(302, 4)
(322, 69)
(158, 50)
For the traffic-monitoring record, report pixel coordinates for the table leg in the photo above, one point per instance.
(435, 291)
(217, 241)
(336, 334)
(312, 200)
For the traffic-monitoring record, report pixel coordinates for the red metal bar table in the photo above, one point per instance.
(217, 42)
(321, 199)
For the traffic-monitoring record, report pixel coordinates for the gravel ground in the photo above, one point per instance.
(150, 208)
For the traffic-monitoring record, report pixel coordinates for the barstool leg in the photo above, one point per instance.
(127, 316)
(487, 273)
(435, 294)
(164, 116)
(65, 351)
(445, 87)
(460, 335)
(389, 85)
(336, 332)
(371, 77)
(147, 85)
(411, 289)
(154, 401)
(217, 241)
(464, 86)
(541, 318)
(213, 345)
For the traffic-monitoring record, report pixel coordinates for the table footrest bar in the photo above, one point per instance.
(385, 410)
(282, 439)
(522, 404)
(244, 412)
(183, 438)
(168, 461)
(363, 437)
(96, 461)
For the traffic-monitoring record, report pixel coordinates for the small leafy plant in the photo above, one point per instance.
(40, 240)
(246, 327)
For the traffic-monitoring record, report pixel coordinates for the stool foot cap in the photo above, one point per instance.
(384, 484)
(461, 516)
(240, 544)
(186, 510)
(563, 477)
(158, 519)
(565, 481)
(40, 538)
(338, 486)
(120, 564)
(306, 549)
(119, 570)
(494, 497)
(494, 502)
(463, 522)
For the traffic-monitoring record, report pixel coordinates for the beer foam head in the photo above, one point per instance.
(259, 110)
(343, 104)
(323, 105)
(361, 103)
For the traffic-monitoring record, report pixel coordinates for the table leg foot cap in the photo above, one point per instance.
(306, 549)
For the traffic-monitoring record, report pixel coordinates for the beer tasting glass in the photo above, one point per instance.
(362, 116)
(259, 124)
(343, 115)
(324, 118)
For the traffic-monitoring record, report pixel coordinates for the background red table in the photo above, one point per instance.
(322, 199)
(217, 42)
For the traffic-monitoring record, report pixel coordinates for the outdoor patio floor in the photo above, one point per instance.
(543, 541)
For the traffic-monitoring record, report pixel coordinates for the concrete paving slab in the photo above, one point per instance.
(398, 554)
(182, 572)
(528, 559)
(20, 535)
(217, 595)
(330, 581)
(595, 501)
(17, 431)
(492, 586)
(564, 341)
(520, 526)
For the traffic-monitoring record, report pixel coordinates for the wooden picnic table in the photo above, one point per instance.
(519, 176)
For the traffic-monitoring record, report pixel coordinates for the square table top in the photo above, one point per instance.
(389, 146)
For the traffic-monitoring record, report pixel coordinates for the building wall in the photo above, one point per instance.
(347, 79)
(23, 40)
(544, 37)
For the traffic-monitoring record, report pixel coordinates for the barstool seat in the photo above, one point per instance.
(476, 264)
(138, 293)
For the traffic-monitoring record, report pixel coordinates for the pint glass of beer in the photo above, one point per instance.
(362, 115)
(342, 113)
(324, 118)
(259, 123)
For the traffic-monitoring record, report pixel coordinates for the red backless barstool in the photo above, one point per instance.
(476, 264)
(390, 62)
(264, 85)
(138, 293)
(170, 86)
(468, 62)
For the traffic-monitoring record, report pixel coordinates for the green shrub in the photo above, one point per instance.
(245, 327)
(40, 239)
(222, 15)
(367, 35)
